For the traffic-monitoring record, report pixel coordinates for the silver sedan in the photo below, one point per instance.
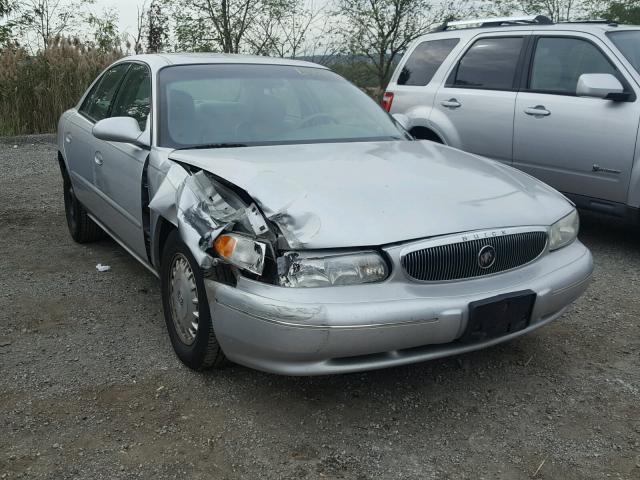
(297, 228)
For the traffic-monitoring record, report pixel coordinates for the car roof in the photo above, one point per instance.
(597, 28)
(159, 60)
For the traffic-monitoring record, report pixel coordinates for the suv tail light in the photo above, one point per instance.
(387, 100)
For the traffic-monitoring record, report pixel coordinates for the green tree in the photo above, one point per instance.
(381, 30)
(222, 24)
(158, 29)
(105, 30)
(193, 34)
(5, 7)
(626, 11)
(622, 11)
(286, 29)
(5, 27)
(48, 19)
(135, 40)
(230, 26)
(556, 10)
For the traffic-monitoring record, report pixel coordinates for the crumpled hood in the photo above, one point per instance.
(376, 193)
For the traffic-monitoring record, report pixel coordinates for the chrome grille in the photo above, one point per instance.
(454, 261)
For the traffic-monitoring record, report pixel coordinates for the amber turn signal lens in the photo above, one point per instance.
(224, 245)
(242, 251)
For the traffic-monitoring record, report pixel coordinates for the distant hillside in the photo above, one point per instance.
(358, 69)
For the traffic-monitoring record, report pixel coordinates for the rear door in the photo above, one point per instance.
(416, 80)
(119, 176)
(579, 145)
(474, 108)
(81, 144)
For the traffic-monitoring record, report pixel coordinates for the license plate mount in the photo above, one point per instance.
(498, 316)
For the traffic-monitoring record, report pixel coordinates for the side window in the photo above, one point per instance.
(96, 105)
(134, 96)
(425, 60)
(559, 62)
(490, 63)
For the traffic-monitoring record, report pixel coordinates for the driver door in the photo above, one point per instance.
(119, 177)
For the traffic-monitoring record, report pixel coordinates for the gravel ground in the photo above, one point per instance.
(90, 387)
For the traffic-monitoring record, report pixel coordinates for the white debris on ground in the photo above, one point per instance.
(102, 268)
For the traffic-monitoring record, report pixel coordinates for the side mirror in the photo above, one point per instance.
(600, 85)
(403, 120)
(121, 129)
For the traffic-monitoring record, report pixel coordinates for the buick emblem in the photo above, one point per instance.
(486, 257)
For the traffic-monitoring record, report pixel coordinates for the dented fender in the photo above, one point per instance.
(201, 208)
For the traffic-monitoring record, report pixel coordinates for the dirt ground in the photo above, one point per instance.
(90, 387)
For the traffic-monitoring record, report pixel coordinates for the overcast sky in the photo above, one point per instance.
(127, 11)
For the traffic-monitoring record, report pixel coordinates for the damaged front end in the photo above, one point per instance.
(222, 223)
(214, 221)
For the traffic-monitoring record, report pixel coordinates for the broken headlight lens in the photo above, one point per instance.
(241, 251)
(564, 231)
(307, 270)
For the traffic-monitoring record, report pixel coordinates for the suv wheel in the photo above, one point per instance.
(186, 310)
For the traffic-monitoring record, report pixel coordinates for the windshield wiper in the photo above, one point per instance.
(214, 145)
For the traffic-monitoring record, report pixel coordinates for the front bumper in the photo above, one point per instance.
(315, 331)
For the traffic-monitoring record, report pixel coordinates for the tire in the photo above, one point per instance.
(192, 336)
(81, 227)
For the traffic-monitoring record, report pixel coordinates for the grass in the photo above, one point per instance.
(36, 89)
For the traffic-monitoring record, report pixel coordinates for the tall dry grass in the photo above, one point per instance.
(36, 89)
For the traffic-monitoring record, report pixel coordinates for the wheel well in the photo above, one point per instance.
(63, 167)
(164, 228)
(223, 272)
(424, 133)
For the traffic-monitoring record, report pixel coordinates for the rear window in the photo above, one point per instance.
(491, 64)
(425, 60)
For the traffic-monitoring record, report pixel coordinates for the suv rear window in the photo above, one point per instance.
(490, 63)
(425, 60)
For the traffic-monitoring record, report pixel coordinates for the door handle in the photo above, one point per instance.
(451, 103)
(98, 159)
(537, 111)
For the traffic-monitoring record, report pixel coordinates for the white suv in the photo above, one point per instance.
(558, 101)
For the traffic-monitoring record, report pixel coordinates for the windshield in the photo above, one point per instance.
(240, 104)
(628, 42)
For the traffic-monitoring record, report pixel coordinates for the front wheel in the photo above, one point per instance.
(186, 310)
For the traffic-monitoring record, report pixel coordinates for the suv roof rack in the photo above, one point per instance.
(594, 21)
(495, 22)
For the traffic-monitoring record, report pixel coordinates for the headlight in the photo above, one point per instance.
(307, 270)
(564, 231)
